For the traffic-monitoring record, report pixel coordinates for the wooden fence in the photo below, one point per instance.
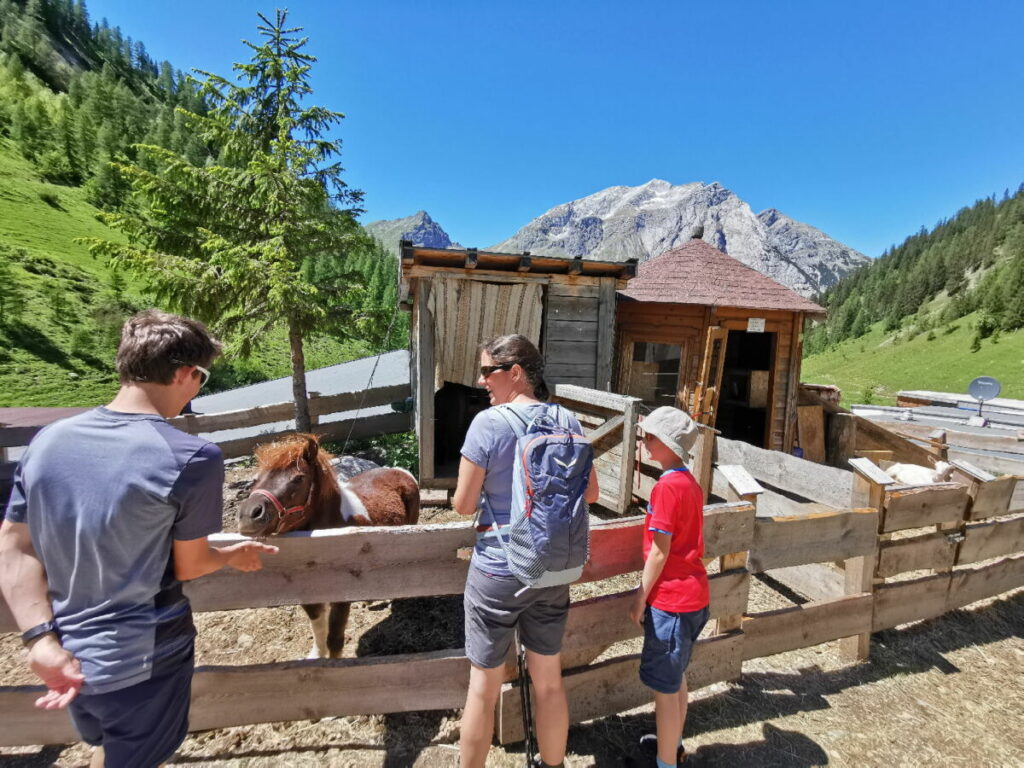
(419, 561)
(319, 406)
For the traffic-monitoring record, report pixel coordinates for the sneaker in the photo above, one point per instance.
(648, 751)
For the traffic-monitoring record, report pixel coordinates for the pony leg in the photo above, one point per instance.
(317, 613)
(336, 629)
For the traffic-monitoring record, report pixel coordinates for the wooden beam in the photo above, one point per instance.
(425, 372)
(983, 541)
(610, 427)
(630, 417)
(614, 685)
(363, 426)
(907, 601)
(576, 267)
(741, 486)
(972, 584)
(811, 429)
(784, 541)
(842, 438)
(992, 498)
(524, 262)
(295, 690)
(805, 625)
(605, 334)
(816, 482)
(930, 551)
(918, 506)
(471, 259)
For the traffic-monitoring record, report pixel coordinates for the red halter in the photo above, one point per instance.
(283, 514)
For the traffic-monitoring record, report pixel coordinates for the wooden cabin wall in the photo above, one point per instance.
(687, 324)
(579, 331)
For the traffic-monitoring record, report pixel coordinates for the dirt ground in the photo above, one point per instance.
(942, 692)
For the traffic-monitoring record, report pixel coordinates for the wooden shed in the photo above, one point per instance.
(461, 298)
(700, 330)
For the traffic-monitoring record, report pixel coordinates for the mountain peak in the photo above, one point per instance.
(619, 223)
(420, 228)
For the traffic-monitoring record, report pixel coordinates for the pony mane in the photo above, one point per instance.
(281, 454)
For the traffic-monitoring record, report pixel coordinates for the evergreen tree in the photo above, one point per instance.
(230, 243)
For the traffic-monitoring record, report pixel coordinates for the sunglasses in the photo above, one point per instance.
(487, 370)
(206, 376)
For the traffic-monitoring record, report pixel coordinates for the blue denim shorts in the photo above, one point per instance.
(142, 725)
(668, 643)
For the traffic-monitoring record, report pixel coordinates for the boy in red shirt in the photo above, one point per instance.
(672, 601)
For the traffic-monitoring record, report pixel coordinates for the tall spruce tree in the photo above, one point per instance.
(231, 242)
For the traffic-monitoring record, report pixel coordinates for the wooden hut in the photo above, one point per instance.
(700, 330)
(461, 298)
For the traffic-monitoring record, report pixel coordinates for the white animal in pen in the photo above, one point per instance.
(915, 474)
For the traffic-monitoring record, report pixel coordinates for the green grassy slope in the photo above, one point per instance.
(61, 351)
(875, 364)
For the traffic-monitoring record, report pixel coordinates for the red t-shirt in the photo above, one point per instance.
(677, 508)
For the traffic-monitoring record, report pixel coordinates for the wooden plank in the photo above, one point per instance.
(858, 578)
(740, 483)
(907, 601)
(590, 396)
(792, 382)
(14, 437)
(363, 426)
(589, 290)
(983, 541)
(575, 352)
(606, 334)
(872, 435)
(1000, 441)
(811, 431)
(602, 621)
(732, 563)
(816, 482)
(728, 528)
(609, 429)
(630, 417)
(931, 551)
(918, 506)
(571, 308)
(870, 471)
(702, 461)
(815, 581)
(972, 584)
(805, 625)
(784, 541)
(842, 437)
(992, 498)
(425, 371)
(575, 330)
(284, 691)
(614, 686)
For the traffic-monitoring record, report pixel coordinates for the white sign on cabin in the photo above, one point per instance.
(755, 325)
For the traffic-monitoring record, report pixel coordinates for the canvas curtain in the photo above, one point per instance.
(469, 312)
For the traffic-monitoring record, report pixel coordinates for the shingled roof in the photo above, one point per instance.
(698, 273)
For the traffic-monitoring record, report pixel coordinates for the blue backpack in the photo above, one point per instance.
(547, 540)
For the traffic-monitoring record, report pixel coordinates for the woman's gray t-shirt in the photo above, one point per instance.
(490, 443)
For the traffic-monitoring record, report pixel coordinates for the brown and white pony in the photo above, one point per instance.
(296, 490)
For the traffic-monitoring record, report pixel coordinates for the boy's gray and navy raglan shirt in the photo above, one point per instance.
(104, 495)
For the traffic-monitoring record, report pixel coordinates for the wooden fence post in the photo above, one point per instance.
(842, 439)
(740, 486)
(869, 484)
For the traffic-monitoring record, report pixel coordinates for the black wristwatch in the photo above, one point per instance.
(37, 631)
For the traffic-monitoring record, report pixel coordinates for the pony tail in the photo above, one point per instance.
(540, 389)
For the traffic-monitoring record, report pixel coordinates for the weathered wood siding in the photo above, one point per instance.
(687, 324)
(570, 336)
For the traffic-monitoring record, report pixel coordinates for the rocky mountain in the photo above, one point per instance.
(620, 223)
(419, 228)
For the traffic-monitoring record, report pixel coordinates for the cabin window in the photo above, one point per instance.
(654, 372)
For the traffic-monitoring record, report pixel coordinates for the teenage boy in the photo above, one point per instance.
(109, 514)
(672, 600)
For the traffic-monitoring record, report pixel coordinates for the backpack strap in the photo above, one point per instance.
(518, 424)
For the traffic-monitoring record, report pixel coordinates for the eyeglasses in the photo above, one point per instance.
(206, 376)
(487, 370)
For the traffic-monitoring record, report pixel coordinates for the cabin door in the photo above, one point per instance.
(710, 383)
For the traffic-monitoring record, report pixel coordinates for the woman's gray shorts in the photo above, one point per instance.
(493, 611)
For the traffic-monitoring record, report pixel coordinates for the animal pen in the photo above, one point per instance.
(965, 543)
(864, 553)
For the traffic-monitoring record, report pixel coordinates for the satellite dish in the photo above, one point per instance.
(984, 388)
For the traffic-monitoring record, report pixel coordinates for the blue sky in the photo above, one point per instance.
(865, 119)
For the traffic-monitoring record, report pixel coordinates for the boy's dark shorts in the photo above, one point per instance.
(142, 725)
(493, 611)
(668, 643)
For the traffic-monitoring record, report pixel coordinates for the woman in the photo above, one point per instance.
(511, 370)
